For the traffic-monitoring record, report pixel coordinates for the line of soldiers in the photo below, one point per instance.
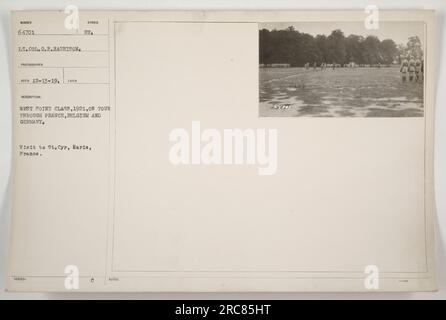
(334, 65)
(412, 68)
(324, 66)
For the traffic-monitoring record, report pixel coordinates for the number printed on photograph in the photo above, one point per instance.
(334, 69)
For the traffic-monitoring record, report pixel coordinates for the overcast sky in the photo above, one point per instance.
(397, 31)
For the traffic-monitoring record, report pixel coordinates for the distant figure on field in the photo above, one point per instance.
(411, 69)
(404, 69)
(418, 69)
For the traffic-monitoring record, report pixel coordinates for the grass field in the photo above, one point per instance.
(343, 92)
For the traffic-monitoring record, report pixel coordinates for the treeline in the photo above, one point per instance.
(296, 48)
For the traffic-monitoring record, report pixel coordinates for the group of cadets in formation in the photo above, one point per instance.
(411, 68)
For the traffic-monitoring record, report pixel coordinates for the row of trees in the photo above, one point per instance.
(297, 48)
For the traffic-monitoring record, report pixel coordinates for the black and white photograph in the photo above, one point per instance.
(325, 69)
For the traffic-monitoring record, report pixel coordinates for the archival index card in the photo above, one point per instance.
(222, 151)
